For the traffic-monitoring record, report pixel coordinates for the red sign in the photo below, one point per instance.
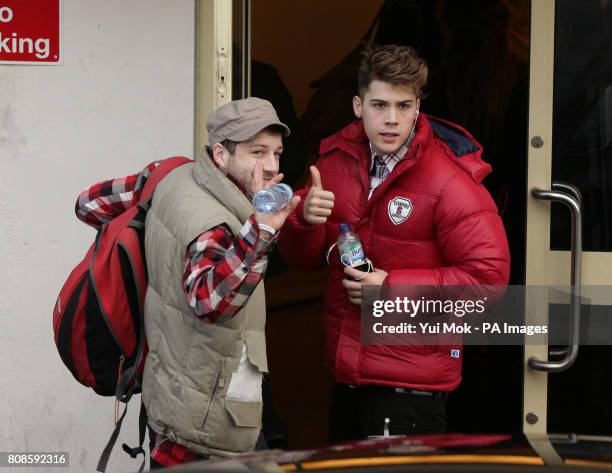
(30, 31)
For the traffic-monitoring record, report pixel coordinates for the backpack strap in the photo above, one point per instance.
(159, 173)
(103, 462)
(142, 428)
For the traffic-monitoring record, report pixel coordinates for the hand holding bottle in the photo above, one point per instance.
(273, 209)
(319, 203)
(360, 278)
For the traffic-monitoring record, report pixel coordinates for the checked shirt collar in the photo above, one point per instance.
(382, 165)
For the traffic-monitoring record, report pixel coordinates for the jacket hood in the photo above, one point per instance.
(456, 142)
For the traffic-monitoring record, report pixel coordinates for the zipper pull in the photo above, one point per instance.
(222, 374)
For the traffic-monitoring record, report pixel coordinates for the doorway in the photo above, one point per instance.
(304, 60)
(532, 84)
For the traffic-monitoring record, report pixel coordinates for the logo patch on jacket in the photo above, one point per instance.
(399, 209)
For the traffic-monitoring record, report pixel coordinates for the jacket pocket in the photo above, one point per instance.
(230, 425)
(233, 426)
(244, 414)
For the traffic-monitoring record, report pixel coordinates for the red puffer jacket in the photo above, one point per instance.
(450, 233)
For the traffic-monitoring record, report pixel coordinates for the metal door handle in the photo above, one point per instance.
(570, 196)
(568, 189)
(559, 352)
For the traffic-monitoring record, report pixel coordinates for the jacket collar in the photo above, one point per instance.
(354, 141)
(351, 138)
(212, 180)
(458, 144)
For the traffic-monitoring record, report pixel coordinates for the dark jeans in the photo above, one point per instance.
(358, 412)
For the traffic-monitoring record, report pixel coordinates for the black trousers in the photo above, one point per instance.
(359, 412)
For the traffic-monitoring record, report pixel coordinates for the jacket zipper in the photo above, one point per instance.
(219, 383)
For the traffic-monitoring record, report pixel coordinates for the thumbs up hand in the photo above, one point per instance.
(319, 203)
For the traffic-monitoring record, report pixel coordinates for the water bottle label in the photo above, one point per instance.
(356, 255)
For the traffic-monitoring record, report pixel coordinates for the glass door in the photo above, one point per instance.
(567, 389)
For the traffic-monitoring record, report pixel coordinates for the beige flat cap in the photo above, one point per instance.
(241, 120)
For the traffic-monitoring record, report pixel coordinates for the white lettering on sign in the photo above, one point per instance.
(6, 14)
(14, 44)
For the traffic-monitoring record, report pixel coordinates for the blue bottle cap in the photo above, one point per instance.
(345, 227)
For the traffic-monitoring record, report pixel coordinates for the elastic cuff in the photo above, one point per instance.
(299, 214)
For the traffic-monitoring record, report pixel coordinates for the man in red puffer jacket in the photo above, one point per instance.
(410, 185)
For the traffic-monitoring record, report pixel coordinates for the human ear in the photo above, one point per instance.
(219, 154)
(357, 106)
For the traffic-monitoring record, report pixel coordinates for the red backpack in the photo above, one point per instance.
(98, 317)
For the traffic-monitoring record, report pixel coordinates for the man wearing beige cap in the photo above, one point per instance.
(206, 251)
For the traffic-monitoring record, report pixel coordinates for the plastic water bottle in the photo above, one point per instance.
(273, 198)
(351, 251)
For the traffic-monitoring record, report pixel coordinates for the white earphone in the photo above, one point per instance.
(415, 122)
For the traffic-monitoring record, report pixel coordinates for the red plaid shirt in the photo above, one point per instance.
(221, 269)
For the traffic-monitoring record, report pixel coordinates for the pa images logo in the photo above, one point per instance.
(400, 209)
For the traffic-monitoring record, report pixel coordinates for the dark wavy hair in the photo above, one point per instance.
(395, 64)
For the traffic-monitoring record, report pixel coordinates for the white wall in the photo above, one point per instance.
(122, 98)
